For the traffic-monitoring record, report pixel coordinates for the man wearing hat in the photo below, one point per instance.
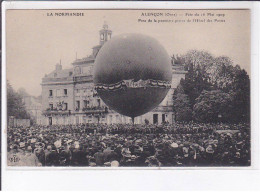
(78, 156)
(47, 152)
(110, 155)
(63, 157)
(52, 159)
(152, 161)
(39, 152)
(99, 158)
(30, 158)
(210, 155)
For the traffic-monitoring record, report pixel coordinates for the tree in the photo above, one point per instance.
(213, 106)
(22, 92)
(222, 72)
(179, 88)
(209, 73)
(182, 109)
(197, 79)
(15, 105)
(218, 71)
(194, 83)
(241, 97)
(195, 58)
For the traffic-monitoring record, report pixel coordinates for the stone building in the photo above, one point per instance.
(68, 95)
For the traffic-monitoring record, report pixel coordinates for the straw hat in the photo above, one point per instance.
(133, 157)
(174, 145)
(92, 164)
(209, 149)
(114, 163)
(22, 145)
(57, 144)
(107, 164)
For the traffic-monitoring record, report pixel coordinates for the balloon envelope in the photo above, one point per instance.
(134, 73)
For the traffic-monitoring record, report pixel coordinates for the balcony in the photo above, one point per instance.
(95, 110)
(49, 112)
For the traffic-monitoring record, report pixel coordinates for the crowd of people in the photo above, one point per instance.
(128, 145)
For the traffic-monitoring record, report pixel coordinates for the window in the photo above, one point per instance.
(50, 120)
(65, 92)
(86, 103)
(50, 93)
(98, 102)
(155, 118)
(51, 106)
(77, 105)
(65, 106)
(163, 118)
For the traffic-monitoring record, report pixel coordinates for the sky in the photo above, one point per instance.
(36, 41)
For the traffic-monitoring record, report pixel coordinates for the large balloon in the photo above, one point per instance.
(132, 74)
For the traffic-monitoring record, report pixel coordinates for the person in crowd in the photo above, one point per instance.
(179, 144)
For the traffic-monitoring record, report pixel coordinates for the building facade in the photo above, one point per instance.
(68, 95)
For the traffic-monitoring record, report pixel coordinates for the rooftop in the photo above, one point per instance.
(88, 59)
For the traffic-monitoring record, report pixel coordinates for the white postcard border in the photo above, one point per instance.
(33, 176)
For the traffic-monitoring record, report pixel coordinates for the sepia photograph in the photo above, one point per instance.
(128, 88)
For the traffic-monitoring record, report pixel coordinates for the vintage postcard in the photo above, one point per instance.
(128, 88)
